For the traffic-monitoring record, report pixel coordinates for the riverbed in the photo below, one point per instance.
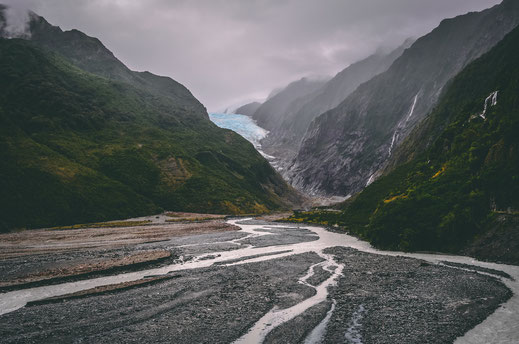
(273, 283)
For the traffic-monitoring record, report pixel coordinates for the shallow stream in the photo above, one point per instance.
(501, 327)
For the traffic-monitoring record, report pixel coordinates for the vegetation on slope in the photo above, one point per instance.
(447, 196)
(343, 147)
(77, 148)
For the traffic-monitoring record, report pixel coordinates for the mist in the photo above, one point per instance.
(228, 52)
(17, 16)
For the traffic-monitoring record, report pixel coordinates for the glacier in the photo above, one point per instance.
(241, 124)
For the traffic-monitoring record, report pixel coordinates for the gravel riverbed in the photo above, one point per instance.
(376, 299)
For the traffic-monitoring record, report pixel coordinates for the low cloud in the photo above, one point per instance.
(227, 51)
(17, 17)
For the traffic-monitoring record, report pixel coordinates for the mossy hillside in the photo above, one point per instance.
(79, 148)
(449, 194)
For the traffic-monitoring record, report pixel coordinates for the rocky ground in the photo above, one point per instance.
(106, 263)
(404, 300)
(213, 305)
(50, 256)
(379, 299)
(385, 299)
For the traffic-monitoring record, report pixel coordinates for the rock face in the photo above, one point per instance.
(460, 194)
(248, 109)
(344, 148)
(296, 119)
(273, 112)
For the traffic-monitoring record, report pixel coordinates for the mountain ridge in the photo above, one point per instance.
(345, 148)
(460, 194)
(296, 121)
(269, 114)
(248, 109)
(83, 147)
(90, 54)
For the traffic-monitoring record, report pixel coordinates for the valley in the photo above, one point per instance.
(372, 198)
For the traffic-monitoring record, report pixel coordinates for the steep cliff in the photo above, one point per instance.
(461, 193)
(345, 148)
(248, 109)
(297, 118)
(274, 110)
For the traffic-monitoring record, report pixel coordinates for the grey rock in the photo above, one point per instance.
(248, 109)
(347, 145)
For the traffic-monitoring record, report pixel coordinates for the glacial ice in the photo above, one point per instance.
(241, 124)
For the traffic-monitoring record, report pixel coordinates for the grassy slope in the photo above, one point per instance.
(75, 147)
(443, 198)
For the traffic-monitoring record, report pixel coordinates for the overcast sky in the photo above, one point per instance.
(231, 51)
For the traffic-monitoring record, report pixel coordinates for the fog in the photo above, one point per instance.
(230, 51)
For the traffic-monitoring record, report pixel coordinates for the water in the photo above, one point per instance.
(317, 334)
(241, 124)
(353, 334)
(277, 317)
(500, 327)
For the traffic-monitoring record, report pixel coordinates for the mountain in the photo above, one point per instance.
(461, 193)
(89, 54)
(301, 113)
(248, 109)
(272, 112)
(345, 148)
(80, 147)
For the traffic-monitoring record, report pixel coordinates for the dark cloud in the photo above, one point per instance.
(227, 51)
